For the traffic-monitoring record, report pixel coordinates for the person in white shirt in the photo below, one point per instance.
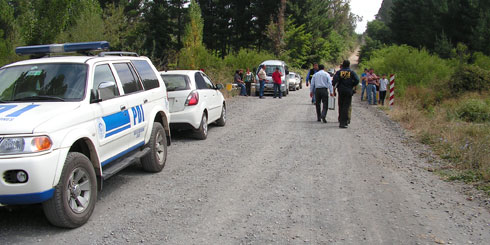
(321, 85)
(383, 84)
(262, 76)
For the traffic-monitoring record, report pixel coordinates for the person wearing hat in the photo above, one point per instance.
(345, 80)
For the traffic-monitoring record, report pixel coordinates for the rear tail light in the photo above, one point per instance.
(192, 99)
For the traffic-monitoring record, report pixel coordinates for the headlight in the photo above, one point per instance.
(20, 145)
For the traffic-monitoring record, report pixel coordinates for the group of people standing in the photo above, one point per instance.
(371, 84)
(322, 85)
(244, 81)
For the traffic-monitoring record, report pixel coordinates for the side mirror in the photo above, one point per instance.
(106, 90)
(219, 86)
(94, 96)
(103, 85)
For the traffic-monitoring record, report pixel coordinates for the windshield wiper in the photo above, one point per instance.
(40, 97)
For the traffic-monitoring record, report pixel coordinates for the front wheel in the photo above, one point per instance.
(202, 131)
(75, 195)
(222, 120)
(155, 160)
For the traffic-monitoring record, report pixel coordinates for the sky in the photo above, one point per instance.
(367, 9)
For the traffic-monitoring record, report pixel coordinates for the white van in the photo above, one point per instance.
(270, 67)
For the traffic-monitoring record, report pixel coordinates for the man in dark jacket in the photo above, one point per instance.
(345, 80)
(309, 77)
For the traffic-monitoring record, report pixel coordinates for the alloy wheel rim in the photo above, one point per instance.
(205, 124)
(224, 113)
(160, 148)
(78, 190)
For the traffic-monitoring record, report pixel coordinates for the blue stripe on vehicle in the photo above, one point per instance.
(116, 120)
(19, 112)
(28, 198)
(123, 153)
(118, 130)
(6, 107)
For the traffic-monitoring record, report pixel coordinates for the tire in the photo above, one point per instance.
(222, 120)
(77, 180)
(154, 161)
(300, 85)
(202, 131)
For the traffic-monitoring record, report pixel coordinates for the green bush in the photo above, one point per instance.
(469, 78)
(474, 110)
(481, 60)
(246, 58)
(413, 67)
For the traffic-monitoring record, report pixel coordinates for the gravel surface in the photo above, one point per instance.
(273, 175)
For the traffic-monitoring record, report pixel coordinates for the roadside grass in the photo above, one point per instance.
(465, 145)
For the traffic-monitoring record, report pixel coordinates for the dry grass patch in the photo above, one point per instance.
(465, 145)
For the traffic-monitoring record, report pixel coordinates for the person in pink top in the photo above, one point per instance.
(276, 78)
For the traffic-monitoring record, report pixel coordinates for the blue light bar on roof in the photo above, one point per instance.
(63, 48)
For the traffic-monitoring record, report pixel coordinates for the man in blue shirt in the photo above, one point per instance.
(321, 87)
(363, 83)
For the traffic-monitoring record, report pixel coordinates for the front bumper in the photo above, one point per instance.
(41, 171)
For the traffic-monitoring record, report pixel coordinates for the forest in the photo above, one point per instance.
(300, 31)
(438, 51)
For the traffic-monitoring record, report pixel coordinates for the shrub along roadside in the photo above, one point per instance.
(446, 104)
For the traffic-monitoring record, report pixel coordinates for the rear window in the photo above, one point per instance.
(147, 74)
(176, 82)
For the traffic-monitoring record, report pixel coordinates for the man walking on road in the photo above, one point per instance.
(276, 78)
(345, 80)
(321, 84)
(262, 76)
(309, 77)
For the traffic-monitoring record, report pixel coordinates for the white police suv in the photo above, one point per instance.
(69, 122)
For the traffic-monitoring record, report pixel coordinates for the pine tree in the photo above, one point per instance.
(193, 49)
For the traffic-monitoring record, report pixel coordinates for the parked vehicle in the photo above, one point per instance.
(271, 66)
(294, 81)
(68, 123)
(195, 101)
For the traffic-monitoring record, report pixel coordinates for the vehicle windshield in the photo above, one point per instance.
(269, 69)
(43, 82)
(175, 82)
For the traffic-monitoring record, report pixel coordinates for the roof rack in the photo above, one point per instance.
(118, 53)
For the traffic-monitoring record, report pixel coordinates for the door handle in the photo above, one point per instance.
(123, 108)
(145, 101)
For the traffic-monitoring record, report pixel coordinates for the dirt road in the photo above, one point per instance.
(274, 175)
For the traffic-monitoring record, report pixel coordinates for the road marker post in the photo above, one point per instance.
(392, 90)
